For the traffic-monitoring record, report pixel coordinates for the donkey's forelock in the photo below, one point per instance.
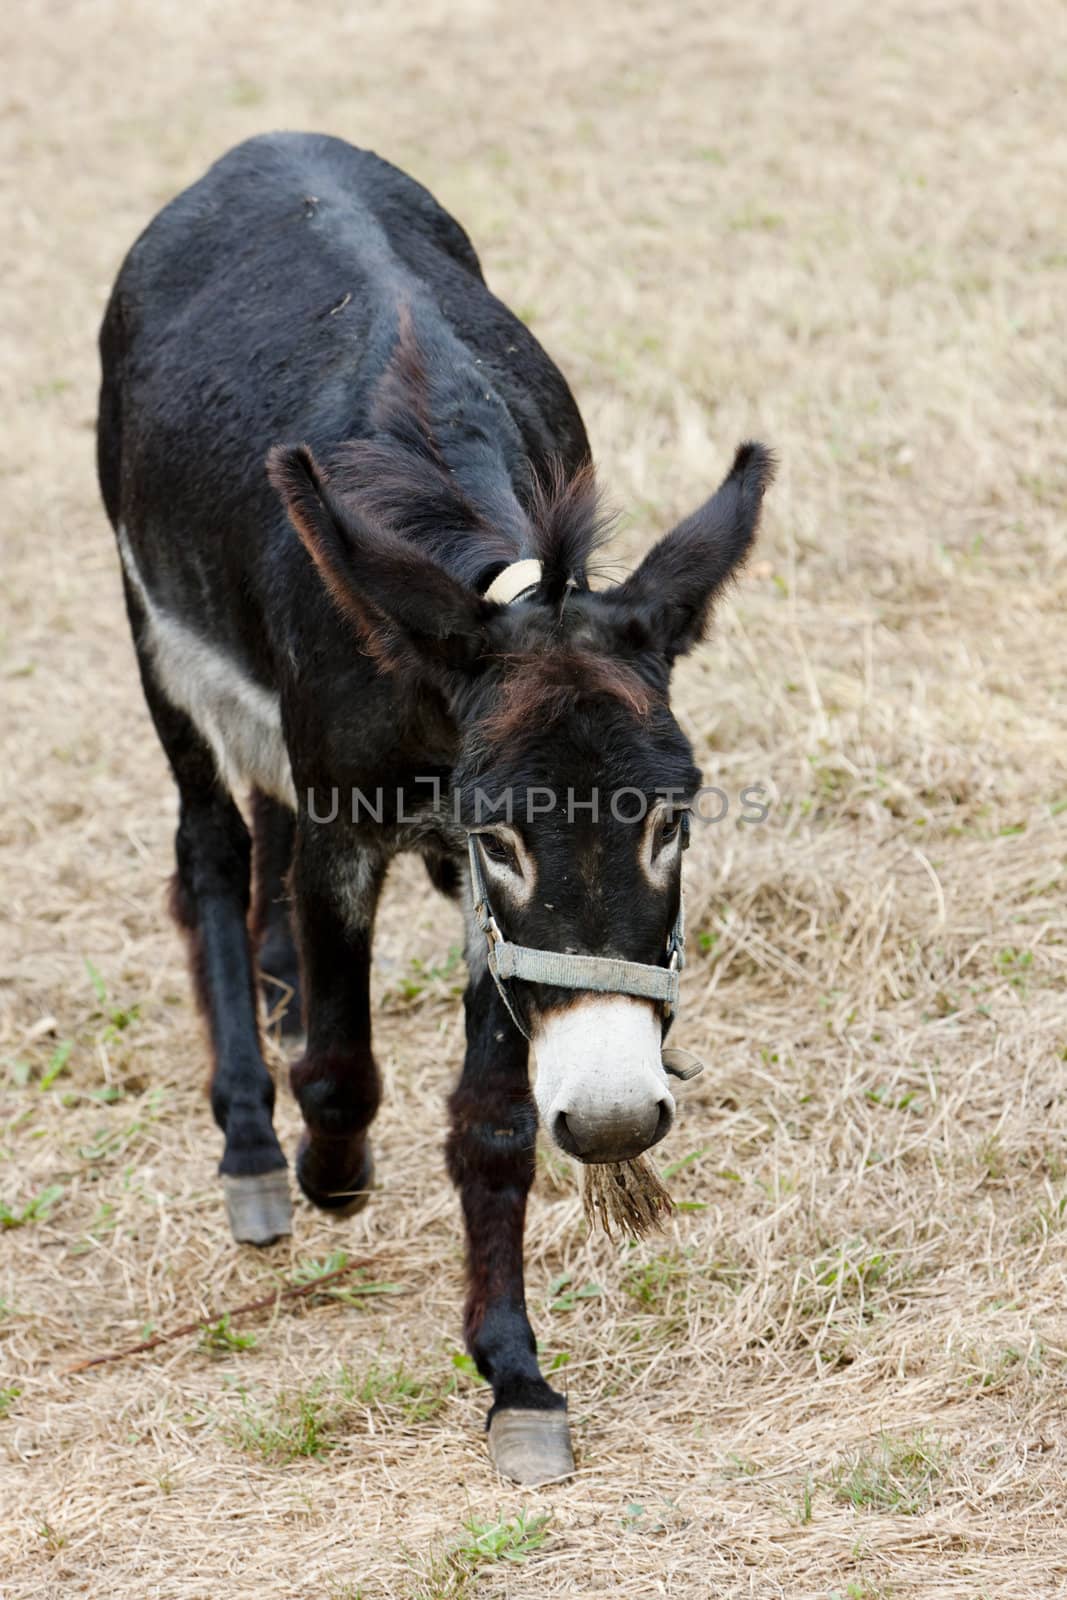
(539, 689)
(462, 509)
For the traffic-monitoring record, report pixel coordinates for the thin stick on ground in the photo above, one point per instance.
(264, 1302)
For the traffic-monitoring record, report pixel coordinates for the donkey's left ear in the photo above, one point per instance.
(667, 602)
(410, 612)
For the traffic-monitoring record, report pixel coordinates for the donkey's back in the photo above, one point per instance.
(262, 304)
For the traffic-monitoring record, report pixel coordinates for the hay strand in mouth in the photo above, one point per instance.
(626, 1196)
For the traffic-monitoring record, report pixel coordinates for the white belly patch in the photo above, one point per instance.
(238, 718)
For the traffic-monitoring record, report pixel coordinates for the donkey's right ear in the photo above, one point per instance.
(668, 600)
(408, 610)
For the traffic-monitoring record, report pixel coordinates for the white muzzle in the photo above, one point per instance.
(600, 1087)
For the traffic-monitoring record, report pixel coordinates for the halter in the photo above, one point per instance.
(595, 974)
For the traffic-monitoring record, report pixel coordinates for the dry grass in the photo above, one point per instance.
(839, 228)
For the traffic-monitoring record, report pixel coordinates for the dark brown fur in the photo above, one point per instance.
(541, 687)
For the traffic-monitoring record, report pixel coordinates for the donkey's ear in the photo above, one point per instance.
(409, 611)
(667, 602)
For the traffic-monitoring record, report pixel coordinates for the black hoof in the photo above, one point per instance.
(344, 1199)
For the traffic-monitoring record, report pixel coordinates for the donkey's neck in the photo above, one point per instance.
(482, 451)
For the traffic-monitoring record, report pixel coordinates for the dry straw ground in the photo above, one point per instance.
(844, 1371)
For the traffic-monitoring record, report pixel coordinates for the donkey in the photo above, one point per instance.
(355, 510)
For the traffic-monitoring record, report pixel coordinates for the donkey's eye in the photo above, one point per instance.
(667, 832)
(494, 848)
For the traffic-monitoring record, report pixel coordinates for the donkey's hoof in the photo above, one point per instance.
(531, 1446)
(343, 1199)
(258, 1206)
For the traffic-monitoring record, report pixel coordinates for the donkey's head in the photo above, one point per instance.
(575, 781)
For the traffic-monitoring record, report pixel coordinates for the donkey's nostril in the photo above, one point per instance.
(562, 1134)
(665, 1122)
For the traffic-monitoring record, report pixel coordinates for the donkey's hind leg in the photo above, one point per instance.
(210, 895)
(273, 831)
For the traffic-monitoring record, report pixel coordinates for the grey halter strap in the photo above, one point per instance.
(598, 974)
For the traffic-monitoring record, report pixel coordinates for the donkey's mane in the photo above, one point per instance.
(403, 481)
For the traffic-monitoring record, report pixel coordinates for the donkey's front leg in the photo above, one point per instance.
(491, 1159)
(336, 1081)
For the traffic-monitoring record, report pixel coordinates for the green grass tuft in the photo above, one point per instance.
(453, 1574)
(297, 1423)
(220, 1338)
(900, 1475)
(36, 1209)
(7, 1399)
